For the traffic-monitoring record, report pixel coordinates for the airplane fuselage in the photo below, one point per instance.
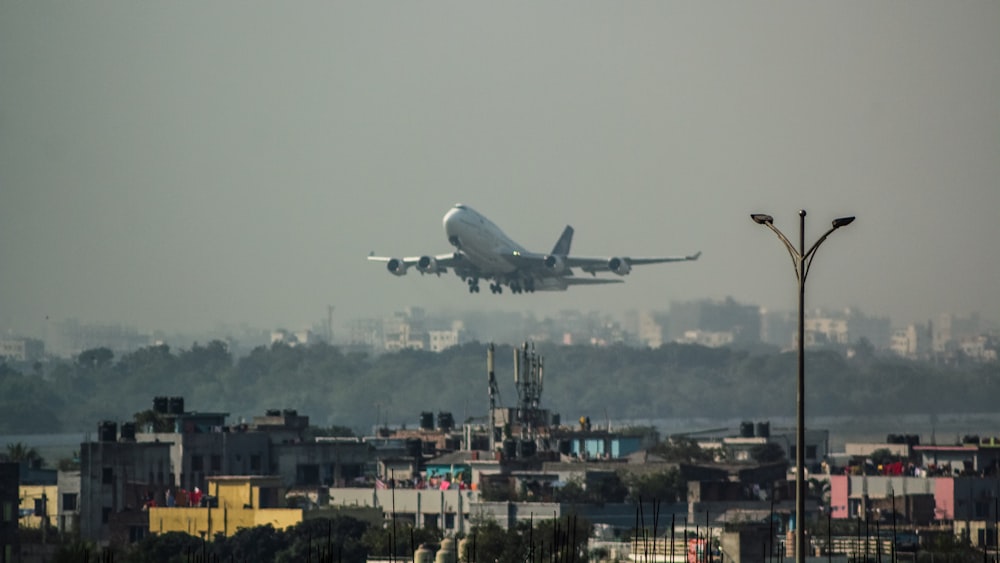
(480, 240)
(484, 251)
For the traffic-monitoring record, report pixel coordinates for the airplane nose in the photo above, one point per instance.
(451, 220)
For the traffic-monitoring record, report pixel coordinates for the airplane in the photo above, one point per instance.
(483, 251)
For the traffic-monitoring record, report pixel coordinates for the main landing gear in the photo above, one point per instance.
(474, 285)
(496, 288)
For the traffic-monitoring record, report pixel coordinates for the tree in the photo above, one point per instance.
(20, 452)
(681, 449)
(95, 358)
(666, 486)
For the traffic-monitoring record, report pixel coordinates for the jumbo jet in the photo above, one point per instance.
(484, 252)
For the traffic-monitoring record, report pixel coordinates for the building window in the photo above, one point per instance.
(136, 533)
(69, 501)
(197, 463)
(255, 462)
(449, 521)
(810, 452)
(107, 476)
(105, 514)
(307, 474)
(216, 463)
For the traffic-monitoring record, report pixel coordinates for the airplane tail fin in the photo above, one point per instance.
(562, 245)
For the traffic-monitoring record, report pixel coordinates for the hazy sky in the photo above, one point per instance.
(177, 164)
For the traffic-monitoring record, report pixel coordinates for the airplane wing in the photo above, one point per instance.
(438, 264)
(621, 264)
(590, 281)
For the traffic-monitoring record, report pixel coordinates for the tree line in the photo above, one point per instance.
(336, 538)
(346, 389)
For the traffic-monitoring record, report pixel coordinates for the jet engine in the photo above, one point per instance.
(619, 266)
(427, 265)
(555, 263)
(396, 267)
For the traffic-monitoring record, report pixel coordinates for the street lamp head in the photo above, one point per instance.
(762, 219)
(842, 222)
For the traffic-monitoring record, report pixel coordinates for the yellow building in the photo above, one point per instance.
(239, 502)
(35, 498)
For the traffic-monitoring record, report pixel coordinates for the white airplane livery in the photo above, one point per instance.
(484, 252)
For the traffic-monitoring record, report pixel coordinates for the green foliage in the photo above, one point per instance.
(171, 547)
(562, 539)
(407, 538)
(767, 453)
(664, 486)
(681, 449)
(339, 391)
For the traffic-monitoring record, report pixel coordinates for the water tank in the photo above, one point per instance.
(465, 554)
(160, 405)
(763, 429)
(447, 553)
(912, 439)
(128, 432)
(423, 554)
(427, 420)
(746, 429)
(175, 405)
(445, 421)
(272, 412)
(107, 431)
(291, 412)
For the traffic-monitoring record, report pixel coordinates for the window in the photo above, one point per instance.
(216, 463)
(105, 514)
(255, 462)
(107, 476)
(810, 452)
(307, 474)
(197, 463)
(69, 501)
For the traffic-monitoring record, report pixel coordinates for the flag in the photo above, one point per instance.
(380, 484)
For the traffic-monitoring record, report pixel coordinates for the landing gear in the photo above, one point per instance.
(473, 285)
(496, 288)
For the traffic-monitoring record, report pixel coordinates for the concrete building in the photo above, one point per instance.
(68, 510)
(10, 548)
(911, 342)
(233, 503)
(325, 462)
(726, 316)
(22, 349)
(39, 505)
(118, 478)
(451, 510)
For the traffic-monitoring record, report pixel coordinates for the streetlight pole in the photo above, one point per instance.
(802, 261)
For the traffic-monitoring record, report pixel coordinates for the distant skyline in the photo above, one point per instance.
(178, 165)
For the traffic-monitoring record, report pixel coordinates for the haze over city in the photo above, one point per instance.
(176, 165)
